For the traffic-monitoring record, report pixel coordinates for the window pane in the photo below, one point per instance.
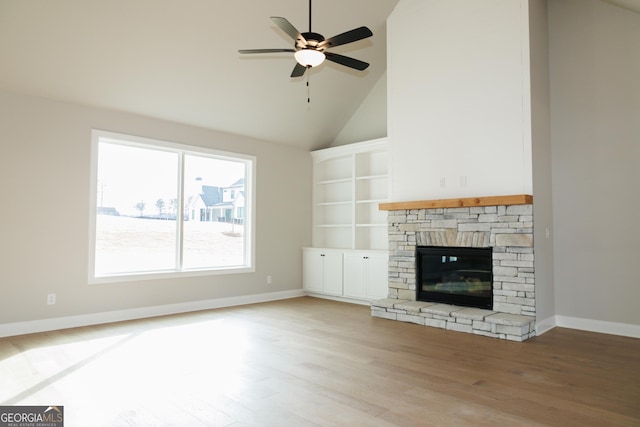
(214, 200)
(143, 187)
(136, 209)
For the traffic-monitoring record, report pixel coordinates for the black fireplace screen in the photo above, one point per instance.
(458, 276)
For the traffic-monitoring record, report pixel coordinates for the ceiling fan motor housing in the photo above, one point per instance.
(312, 40)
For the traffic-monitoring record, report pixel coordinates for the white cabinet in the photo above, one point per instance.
(349, 182)
(322, 271)
(365, 274)
(352, 275)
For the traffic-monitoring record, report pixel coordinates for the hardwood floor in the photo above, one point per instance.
(313, 362)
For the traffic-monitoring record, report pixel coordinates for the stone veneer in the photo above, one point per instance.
(507, 229)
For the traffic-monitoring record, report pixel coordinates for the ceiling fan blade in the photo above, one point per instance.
(288, 28)
(298, 70)
(347, 37)
(265, 50)
(346, 61)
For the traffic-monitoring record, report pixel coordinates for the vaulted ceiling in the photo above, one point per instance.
(178, 60)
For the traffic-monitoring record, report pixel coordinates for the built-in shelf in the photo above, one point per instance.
(350, 181)
(333, 203)
(373, 177)
(334, 181)
(349, 260)
(372, 202)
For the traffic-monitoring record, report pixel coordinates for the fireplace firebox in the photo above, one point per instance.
(455, 275)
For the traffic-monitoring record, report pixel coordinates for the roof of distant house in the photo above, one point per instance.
(238, 183)
(211, 195)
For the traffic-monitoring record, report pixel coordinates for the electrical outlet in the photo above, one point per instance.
(268, 280)
(51, 299)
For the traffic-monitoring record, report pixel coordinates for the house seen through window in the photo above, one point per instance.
(168, 208)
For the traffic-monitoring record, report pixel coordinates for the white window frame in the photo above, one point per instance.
(181, 150)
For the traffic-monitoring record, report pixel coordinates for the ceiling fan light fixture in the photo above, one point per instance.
(309, 57)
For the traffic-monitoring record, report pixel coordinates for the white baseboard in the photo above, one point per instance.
(42, 325)
(339, 298)
(613, 328)
(52, 324)
(600, 326)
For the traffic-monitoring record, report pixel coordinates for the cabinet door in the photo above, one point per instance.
(377, 276)
(332, 272)
(313, 267)
(355, 275)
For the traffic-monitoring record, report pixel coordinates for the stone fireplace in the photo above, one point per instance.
(503, 223)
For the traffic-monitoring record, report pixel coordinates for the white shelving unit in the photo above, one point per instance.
(349, 182)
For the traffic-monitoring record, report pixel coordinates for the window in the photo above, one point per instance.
(160, 208)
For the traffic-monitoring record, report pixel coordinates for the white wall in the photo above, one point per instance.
(458, 98)
(370, 119)
(44, 225)
(541, 149)
(595, 129)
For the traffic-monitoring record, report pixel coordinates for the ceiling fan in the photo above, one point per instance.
(311, 48)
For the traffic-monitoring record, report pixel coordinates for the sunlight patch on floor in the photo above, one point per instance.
(149, 370)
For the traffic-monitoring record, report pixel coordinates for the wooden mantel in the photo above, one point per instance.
(516, 199)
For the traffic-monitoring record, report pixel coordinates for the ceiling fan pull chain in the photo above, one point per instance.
(308, 89)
